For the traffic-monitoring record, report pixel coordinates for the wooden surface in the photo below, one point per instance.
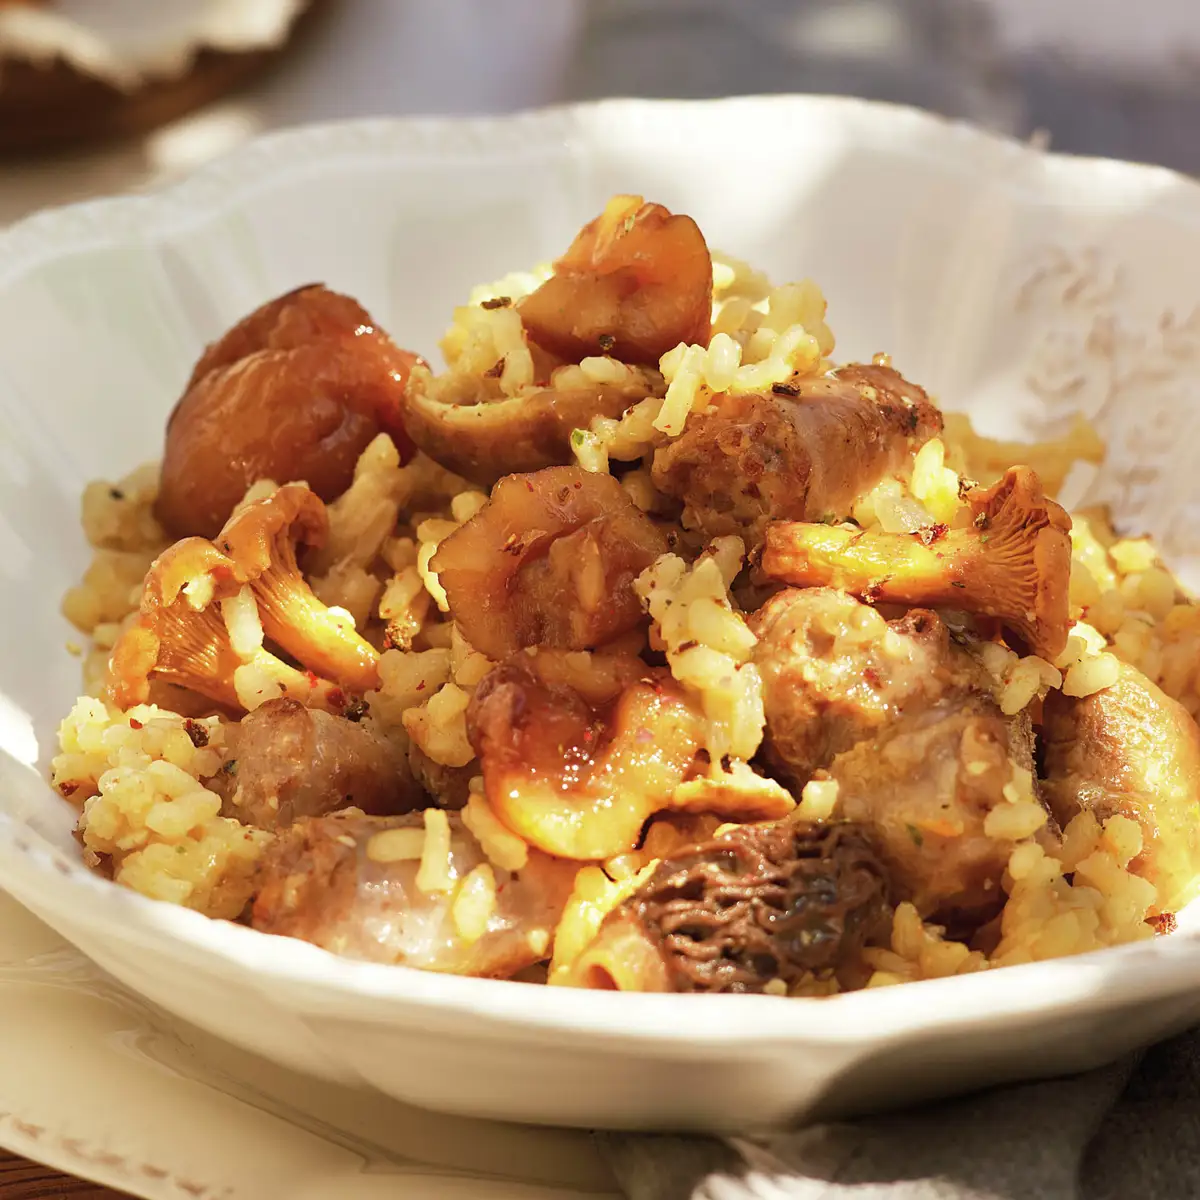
(24, 1180)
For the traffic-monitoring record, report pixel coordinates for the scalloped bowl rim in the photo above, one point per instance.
(990, 998)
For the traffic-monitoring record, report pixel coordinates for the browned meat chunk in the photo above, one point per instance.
(448, 787)
(786, 902)
(295, 391)
(1131, 749)
(903, 718)
(334, 881)
(550, 561)
(801, 457)
(924, 786)
(287, 762)
(835, 672)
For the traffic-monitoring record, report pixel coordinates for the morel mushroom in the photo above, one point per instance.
(414, 891)
(634, 283)
(803, 453)
(484, 439)
(579, 780)
(1130, 749)
(763, 905)
(285, 761)
(296, 390)
(550, 561)
(1013, 563)
(261, 540)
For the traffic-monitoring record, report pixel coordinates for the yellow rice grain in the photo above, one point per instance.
(503, 848)
(439, 727)
(436, 872)
(396, 845)
(240, 614)
(474, 903)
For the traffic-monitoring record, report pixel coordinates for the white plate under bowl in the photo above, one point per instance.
(1018, 285)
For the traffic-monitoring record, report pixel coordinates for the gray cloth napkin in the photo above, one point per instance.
(1128, 1132)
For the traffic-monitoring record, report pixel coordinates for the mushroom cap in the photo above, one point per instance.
(761, 903)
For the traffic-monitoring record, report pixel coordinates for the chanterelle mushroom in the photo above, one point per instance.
(179, 637)
(261, 540)
(634, 283)
(182, 635)
(767, 903)
(1012, 563)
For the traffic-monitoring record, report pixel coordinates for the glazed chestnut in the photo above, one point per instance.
(294, 392)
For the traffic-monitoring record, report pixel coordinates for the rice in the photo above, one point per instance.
(474, 903)
(396, 845)
(818, 799)
(439, 726)
(120, 516)
(1129, 608)
(433, 531)
(139, 776)
(503, 848)
(240, 614)
(929, 493)
(436, 872)
(761, 336)
(708, 643)
(142, 778)
(1019, 681)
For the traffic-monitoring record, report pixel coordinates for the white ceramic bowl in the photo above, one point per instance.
(1015, 284)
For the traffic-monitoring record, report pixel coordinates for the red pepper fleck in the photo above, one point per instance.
(134, 723)
(68, 789)
(421, 686)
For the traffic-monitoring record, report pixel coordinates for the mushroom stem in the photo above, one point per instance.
(484, 440)
(323, 640)
(1013, 563)
(261, 541)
